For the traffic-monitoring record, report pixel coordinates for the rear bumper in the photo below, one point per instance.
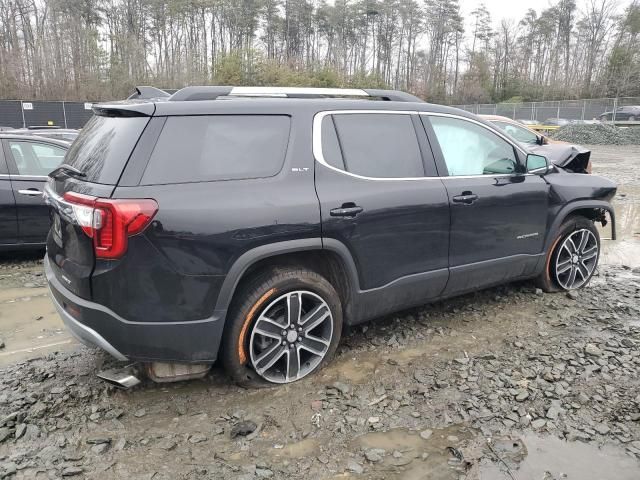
(96, 325)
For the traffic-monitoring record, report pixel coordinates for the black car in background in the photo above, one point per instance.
(63, 134)
(25, 162)
(629, 113)
(208, 225)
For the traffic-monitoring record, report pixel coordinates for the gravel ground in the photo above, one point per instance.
(508, 383)
(598, 134)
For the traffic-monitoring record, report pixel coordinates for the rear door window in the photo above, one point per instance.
(377, 145)
(218, 147)
(103, 147)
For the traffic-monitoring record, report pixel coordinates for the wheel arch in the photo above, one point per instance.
(331, 259)
(591, 209)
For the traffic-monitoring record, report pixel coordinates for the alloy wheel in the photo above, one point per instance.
(291, 336)
(577, 259)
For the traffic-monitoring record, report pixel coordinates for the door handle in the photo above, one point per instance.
(347, 210)
(32, 192)
(467, 198)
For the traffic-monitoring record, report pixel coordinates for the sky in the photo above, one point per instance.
(515, 9)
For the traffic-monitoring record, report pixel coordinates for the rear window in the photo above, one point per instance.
(103, 147)
(218, 147)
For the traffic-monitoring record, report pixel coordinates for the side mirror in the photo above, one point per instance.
(537, 164)
(542, 140)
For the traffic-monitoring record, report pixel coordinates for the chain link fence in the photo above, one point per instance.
(590, 109)
(19, 114)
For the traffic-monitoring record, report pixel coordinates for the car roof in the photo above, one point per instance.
(36, 138)
(265, 105)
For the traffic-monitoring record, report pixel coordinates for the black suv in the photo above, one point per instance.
(217, 223)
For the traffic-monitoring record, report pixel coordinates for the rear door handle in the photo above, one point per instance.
(466, 198)
(32, 192)
(346, 211)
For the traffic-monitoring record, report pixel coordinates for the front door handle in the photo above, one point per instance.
(347, 210)
(32, 192)
(467, 198)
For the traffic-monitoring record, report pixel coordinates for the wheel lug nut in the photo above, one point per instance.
(284, 332)
(284, 343)
(299, 329)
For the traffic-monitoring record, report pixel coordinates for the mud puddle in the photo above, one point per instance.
(416, 455)
(30, 325)
(532, 457)
(626, 249)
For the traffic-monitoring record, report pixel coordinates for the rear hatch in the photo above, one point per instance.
(86, 224)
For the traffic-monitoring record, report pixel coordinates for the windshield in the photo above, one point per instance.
(521, 134)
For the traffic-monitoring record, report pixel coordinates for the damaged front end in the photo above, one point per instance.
(572, 158)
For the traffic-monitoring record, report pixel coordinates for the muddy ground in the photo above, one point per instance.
(509, 383)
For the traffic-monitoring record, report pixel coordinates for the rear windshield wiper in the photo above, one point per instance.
(64, 168)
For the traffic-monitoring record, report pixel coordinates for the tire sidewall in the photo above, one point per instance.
(568, 227)
(265, 290)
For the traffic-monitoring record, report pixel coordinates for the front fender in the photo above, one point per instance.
(579, 205)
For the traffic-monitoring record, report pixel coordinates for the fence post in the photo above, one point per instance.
(558, 116)
(615, 108)
(64, 114)
(514, 112)
(584, 107)
(24, 123)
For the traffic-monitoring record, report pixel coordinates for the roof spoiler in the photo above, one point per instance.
(213, 92)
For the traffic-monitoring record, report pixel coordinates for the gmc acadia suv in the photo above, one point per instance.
(250, 224)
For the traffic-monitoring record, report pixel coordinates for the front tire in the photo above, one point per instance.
(573, 257)
(285, 325)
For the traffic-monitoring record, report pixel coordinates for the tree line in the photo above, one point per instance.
(100, 49)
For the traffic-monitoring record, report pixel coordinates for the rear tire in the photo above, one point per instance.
(632, 118)
(573, 257)
(283, 325)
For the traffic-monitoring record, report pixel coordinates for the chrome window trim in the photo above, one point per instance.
(319, 157)
(317, 142)
(9, 176)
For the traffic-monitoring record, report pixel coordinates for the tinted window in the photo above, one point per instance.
(330, 145)
(103, 147)
(218, 147)
(520, 134)
(379, 145)
(33, 158)
(470, 149)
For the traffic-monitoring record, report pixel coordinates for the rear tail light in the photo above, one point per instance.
(110, 222)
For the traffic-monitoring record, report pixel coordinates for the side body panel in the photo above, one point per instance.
(174, 271)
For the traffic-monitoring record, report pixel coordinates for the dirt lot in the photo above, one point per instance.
(509, 383)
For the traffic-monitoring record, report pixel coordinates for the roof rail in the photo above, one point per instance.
(213, 92)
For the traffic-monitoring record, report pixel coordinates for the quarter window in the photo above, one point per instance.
(470, 149)
(218, 147)
(373, 145)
